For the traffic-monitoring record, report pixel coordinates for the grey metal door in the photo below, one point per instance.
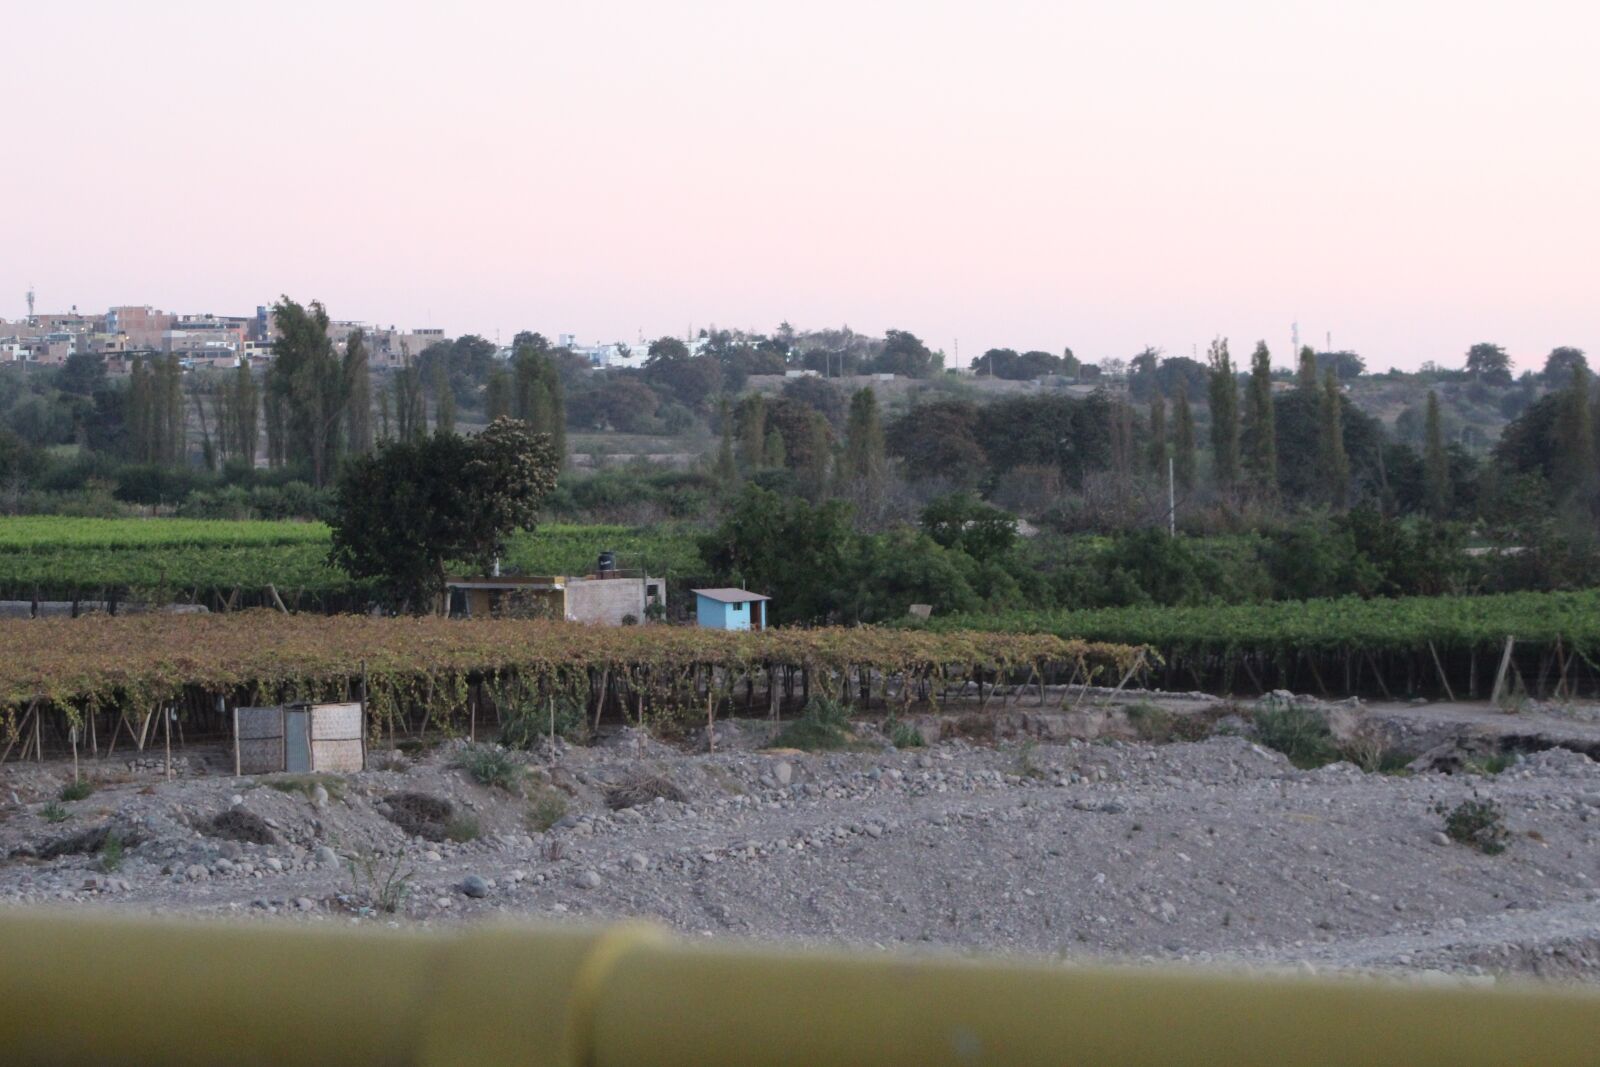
(297, 740)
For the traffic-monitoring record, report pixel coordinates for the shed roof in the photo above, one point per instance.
(729, 596)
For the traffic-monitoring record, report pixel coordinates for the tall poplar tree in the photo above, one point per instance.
(863, 458)
(358, 396)
(1224, 415)
(1435, 464)
(1158, 436)
(1183, 460)
(410, 413)
(1260, 427)
(1305, 378)
(752, 420)
(727, 470)
(497, 394)
(444, 400)
(1335, 461)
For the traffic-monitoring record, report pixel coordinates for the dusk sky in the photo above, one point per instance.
(1411, 176)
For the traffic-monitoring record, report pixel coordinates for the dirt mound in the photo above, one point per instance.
(237, 824)
(642, 788)
(420, 814)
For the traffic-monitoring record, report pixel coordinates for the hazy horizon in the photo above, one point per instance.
(1409, 177)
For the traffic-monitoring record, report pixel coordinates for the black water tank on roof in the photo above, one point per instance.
(608, 563)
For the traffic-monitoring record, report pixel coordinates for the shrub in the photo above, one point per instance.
(526, 723)
(77, 790)
(54, 812)
(1297, 732)
(490, 765)
(111, 850)
(903, 734)
(1477, 823)
(546, 810)
(824, 726)
(462, 828)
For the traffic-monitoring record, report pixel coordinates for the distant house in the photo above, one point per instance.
(730, 609)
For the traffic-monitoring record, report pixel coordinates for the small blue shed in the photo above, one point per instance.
(730, 609)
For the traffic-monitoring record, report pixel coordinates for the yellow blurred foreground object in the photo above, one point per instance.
(103, 990)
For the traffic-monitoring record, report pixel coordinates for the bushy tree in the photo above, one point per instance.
(863, 459)
(1183, 443)
(1489, 363)
(1436, 465)
(403, 513)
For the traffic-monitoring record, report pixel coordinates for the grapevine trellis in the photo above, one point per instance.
(106, 677)
(1544, 645)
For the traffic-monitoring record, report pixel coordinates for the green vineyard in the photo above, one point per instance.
(209, 561)
(1413, 646)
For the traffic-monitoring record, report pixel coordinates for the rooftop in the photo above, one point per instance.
(729, 596)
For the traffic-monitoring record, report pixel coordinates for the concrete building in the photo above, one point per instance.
(610, 599)
(730, 609)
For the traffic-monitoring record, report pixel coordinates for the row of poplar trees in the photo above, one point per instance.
(1244, 445)
(317, 405)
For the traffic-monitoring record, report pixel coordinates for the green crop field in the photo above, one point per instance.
(56, 557)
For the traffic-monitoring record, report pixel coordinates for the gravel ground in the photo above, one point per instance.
(1210, 851)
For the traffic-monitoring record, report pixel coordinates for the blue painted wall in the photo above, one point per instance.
(715, 615)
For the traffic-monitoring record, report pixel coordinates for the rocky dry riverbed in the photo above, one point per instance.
(1033, 841)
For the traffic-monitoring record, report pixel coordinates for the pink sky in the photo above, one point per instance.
(1412, 176)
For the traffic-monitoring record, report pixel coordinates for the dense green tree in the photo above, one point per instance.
(539, 395)
(1436, 465)
(905, 355)
(782, 546)
(961, 520)
(460, 498)
(1334, 461)
(1574, 474)
(1489, 363)
(939, 441)
(1260, 426)
(1183, 442)
(243, 406)
(690, 380)
(1224, 394)
(1560, 363)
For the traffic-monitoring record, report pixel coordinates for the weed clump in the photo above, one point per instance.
(490, 765)
(381, 886)
(1297, 732)
(77, 790)
(85, 842)
(546, 810)
(111, 850)
(1477, 823)
(54, 812)
(903, 734)
(1150, 723)
(823, 727)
